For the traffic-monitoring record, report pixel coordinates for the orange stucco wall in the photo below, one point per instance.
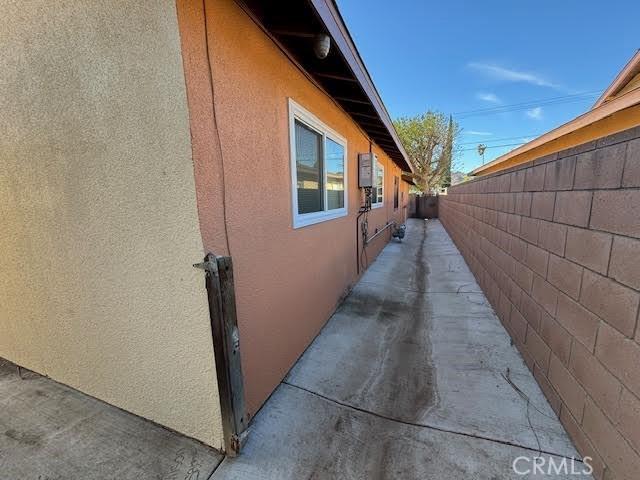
(288, 281)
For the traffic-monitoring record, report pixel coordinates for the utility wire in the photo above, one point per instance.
(493, 146)
(223, 180)
(532, 135)
(527, 105)
(529, 102)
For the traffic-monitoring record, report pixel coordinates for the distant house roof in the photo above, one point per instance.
(342, 74)
(628, 79)
(623, 93)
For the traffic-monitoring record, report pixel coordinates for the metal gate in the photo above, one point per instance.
(423, 206)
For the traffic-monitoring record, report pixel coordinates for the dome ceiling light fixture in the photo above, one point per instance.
(321, 45)
(321, 41)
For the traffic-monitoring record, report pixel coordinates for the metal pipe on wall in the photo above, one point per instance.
(379, 232)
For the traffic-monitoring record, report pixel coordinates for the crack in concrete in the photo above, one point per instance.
(535, 434)
(519, 391)
(424, 425)
(526, 398)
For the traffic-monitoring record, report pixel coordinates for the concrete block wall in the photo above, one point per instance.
(555, 245)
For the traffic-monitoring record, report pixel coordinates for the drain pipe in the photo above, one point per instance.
(362, 212)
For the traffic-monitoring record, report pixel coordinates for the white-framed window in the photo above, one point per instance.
(378, 189)
(318, 169)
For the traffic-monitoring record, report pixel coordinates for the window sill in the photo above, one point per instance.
(307, 219)
(377, 205)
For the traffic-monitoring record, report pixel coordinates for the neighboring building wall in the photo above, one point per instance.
(555, 245)
(288, 281)
(98, 210)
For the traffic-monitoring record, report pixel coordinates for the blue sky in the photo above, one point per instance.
(455, 56)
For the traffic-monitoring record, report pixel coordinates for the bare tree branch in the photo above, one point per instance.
(429, 140)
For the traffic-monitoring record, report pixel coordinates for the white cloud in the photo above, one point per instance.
(488, 97)
(510, 75)
(535, 113)
(478, 132)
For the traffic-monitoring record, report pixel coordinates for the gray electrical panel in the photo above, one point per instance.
(366, 164)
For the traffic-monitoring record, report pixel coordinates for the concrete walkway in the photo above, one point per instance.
(412, 378)
(52, 432)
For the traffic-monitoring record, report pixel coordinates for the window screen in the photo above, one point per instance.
(378, 197)
(335, 174)
(309, 169)
(318, 168)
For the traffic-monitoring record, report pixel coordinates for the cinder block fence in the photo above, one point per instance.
(555, 245)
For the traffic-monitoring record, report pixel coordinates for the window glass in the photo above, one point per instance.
(378, 196)
(309, 171)
(334, 160)
(319, 170)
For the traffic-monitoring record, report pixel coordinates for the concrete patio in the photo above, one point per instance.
(412, 378)
(51, 432)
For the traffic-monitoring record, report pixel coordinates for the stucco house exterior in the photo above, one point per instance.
(139, 137)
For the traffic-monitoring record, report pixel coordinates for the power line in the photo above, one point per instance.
(528, 102)
(493, 146)
(526, 105)
(501, 139)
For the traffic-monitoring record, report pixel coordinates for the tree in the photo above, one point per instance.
(429, 140)
(448, 155)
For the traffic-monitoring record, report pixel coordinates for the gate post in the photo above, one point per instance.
(226, 348)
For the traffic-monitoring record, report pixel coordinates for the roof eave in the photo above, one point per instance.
(630, 69)
(334, 22)
(342, 75)
(408, 178)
